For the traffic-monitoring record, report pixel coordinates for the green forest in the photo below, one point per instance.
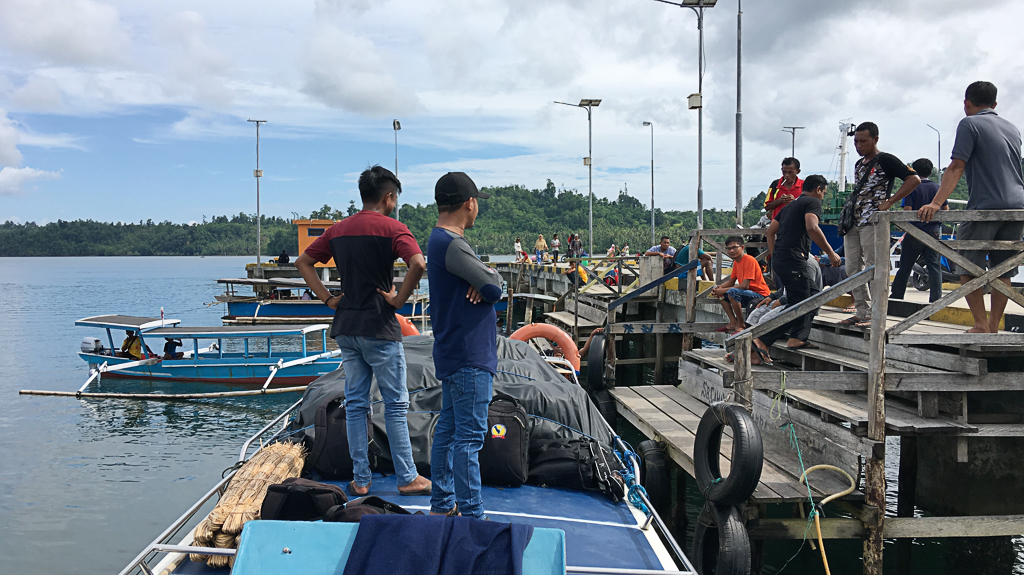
(511, 212)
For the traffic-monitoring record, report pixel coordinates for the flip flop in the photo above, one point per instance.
(352, 487)
(804, 345)
(722, 329)
(850, 309)
(765, 358)
(424, 491)
(852, 320)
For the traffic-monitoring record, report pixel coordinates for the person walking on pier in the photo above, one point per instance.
(555, 244)
(988, 150)
(789, 243)
(911, 250)
(364, 247)
(785, 189)
(875, 173)
(540, 246)
(749, 284)
(463, 291)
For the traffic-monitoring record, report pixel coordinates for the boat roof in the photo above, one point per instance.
(293, 283)
(230, 331)
(126, 322)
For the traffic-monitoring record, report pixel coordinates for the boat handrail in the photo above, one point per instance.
(157, 545)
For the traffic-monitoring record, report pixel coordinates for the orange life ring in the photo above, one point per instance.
(408, 328)
(552, 333)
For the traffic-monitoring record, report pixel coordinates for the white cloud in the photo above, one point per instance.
(14, 180)
(71, 141)
(39, 94)
(198, 69)
(9, 154)
(80, 32)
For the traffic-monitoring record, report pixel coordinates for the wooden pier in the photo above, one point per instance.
(955, 400)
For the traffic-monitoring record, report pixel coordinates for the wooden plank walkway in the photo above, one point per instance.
(667, 414)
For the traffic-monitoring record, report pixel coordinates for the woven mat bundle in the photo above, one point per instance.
(243, 498)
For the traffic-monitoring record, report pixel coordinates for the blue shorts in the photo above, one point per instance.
(743, 296)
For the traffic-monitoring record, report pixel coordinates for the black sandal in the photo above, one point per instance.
(765, 358)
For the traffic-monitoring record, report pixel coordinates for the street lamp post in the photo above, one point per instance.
(587, 104)
(258, 173)
(397, 126)
(696, 100)
(651, 124)
(938, 165)
(792, 131)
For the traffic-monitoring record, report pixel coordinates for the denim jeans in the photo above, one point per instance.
(743, 296)
(912, 251)
(458, 437)
(363, 358)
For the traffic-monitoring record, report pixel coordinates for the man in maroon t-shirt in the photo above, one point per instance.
(364, 247)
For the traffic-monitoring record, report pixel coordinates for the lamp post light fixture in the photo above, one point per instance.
(651, 124)
(397, 126)
(938, 165)
(792, 131)
(587, 104)
(258, 173)
(695, 101)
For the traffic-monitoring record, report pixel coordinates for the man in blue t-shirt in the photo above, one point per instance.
(665, 251)
(911, 250)
(462, 295)
(705, 270)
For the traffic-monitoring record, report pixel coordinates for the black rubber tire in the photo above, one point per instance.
(747, 454)
(605, 403)
(920, 281)
(654, 475)
(595, 364)
(720, 542)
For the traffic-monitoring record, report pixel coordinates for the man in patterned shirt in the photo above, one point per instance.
(874, 174)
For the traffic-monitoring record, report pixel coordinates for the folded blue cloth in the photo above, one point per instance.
(435, 544)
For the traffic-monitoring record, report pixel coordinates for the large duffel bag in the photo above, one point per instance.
(329, 455)
(297, 499)
(576, 463)
(504, 458)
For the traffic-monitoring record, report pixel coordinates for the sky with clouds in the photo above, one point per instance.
(123, 110)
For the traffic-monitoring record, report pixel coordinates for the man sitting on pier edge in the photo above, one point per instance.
(749, 284)
(665, 251)
(789, 243)
(988, 150)
(364, 247)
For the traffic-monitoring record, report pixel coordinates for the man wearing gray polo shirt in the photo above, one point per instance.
(988, 150)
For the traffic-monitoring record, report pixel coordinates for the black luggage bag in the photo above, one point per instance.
(504, 458)
(297, 499)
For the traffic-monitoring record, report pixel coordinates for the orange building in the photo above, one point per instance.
(310, 230)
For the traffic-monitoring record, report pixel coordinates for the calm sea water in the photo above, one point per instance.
(86, 484)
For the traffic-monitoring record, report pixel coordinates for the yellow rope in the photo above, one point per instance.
(817, 524)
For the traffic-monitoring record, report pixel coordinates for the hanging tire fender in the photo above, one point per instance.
(654, 475)
(747, 454)
(720, 542)
(595, 363)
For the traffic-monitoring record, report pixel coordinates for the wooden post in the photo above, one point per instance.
(691, 281)
(609, 339)
(659, 339)
(679, 519)
(874, 495)
(907, 494)
(528, 319)
(743, 375)
(576, 303)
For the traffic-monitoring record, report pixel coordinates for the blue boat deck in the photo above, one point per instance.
(598, 533)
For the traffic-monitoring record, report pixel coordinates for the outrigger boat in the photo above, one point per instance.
(229, 358)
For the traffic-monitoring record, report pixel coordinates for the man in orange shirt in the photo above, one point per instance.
(785, 189)
(748, 281)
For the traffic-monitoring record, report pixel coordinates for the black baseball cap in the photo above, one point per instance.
(455, 188)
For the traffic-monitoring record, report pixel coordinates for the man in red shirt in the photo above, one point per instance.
(364, 247)
(786, 189)
(749, 281)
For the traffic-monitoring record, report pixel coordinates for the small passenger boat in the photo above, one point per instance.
(236, 354)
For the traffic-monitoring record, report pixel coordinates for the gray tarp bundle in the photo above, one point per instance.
(558, 408)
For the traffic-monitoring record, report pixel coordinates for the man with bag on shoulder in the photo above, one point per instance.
(364, 247)
(462, 295)
(874, 173)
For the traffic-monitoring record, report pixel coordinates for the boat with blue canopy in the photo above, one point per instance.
(235, 354)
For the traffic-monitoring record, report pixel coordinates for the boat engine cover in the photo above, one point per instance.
(91, 345)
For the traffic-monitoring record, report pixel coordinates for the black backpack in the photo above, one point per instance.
(366, 505)
(297, 499)
(504, 458)
(578, 464)
(329, 454)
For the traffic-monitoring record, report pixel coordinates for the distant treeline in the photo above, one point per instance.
(511, 212)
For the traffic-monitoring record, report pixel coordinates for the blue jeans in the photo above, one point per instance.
(458, 437)
(743, 296)
(363, 358)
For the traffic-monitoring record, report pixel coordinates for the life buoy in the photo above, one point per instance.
(552, 333)
(720, 542)
(408, 328)
(747, 454)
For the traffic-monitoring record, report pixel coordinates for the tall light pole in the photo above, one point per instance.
(938, 165)
(792, 131)
(739, 114)
(695, 100)
(587, 104)
(397, 126)
(651, 124)
(258, 173)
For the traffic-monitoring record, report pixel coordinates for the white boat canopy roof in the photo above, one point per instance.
(235, 331)
(290, 283)
(126, 322)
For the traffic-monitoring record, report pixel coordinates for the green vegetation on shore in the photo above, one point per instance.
(511, 212)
